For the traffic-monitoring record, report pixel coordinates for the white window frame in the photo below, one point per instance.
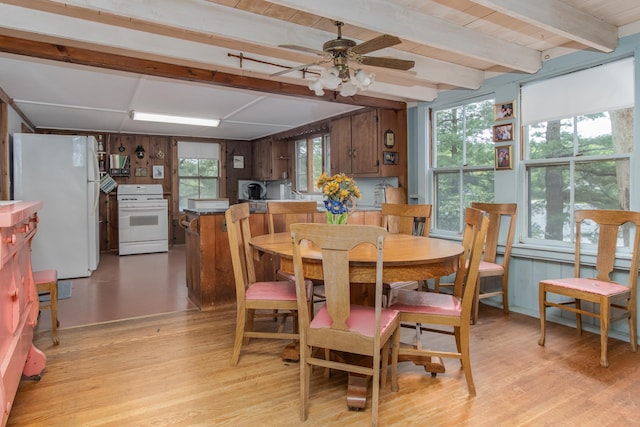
(198, 151)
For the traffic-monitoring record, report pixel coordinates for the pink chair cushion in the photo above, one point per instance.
(592, 286)
(490, 269)
(283, 290)
(427, 303)
(45, 276)
(361, 319)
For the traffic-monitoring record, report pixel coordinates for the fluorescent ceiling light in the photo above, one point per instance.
(165, 118)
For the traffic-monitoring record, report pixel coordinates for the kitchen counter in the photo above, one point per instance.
(260, 206)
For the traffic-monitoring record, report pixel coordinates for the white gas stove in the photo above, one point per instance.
(143, 225)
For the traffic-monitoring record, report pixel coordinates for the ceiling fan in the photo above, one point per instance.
(342, 51)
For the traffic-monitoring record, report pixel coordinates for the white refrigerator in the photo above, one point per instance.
(62, 172)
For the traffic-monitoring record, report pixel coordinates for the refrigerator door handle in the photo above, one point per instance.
(95, 173)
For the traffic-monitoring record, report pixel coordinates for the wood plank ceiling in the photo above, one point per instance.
(456, 44)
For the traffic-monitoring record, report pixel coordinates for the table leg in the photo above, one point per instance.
(291, 352)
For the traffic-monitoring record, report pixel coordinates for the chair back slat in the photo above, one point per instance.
(498, 213)
(281, 215)
(335, 241)
(239, 235)
(609, 222)
(406, 219)
(474, 221)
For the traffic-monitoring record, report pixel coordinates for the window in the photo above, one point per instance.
(312, 158)
(198, 171)
(577, 155)
(463, 154)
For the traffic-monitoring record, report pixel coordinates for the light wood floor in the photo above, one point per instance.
(173, 369)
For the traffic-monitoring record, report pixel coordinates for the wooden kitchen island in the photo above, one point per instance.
(210, 281)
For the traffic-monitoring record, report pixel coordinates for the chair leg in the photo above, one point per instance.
(476, 303)
(395, 349)
(248, 323)
(542, 298)
(375, 393)
(604, 331)
(54, 312)
(305, 379)
(237, 343)
(466, 358)
(505, 294)
(633, 334)
(456, 336)
(385, 363)
(578, 317)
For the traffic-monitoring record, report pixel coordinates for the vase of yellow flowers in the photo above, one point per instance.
(340, 193)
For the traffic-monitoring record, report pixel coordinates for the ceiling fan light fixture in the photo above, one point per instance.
(363, 80)
(316, 86)
(342, 80)
(348, 89)
(166, 118)
(330, 79)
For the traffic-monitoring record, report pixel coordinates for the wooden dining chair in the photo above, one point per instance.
(616, 301)
(340, 325)
(490, 265)
(280, 216)
(400, 218)
(277, 297)
(430, 309)
(395, 195)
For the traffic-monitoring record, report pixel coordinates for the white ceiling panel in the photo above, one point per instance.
(55, 117)
(290, 112)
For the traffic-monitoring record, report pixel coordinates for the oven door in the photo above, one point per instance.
(142, 222)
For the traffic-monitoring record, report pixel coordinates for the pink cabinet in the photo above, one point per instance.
(18, 301)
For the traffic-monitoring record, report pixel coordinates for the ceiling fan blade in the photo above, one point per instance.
(398, 64)
(303, 49)
(380, 42)
(299, 67)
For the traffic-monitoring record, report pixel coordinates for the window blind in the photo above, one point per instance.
(606, 87)
(198, 150)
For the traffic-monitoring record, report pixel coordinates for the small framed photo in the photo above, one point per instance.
(158, 172)
(503, 111)
(503, 158)
(390, 158)
(503, 133)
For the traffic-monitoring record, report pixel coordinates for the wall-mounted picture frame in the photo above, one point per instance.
(503, 133)
(390, 158)
(504, 110)
(504, 158)
(158, 172)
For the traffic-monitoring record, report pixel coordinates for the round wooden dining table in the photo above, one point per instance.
(405, 258)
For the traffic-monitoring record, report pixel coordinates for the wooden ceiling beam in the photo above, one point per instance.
(220, 26)
(387, 17)
(560, 18)
(82, 56)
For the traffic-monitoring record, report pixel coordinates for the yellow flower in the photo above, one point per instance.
(338, 187)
